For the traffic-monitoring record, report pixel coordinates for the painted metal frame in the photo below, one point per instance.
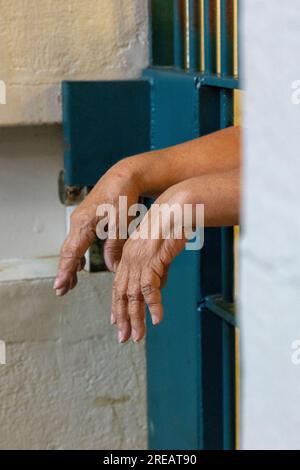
(200, 35)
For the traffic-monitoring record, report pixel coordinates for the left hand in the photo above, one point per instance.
(140, 276)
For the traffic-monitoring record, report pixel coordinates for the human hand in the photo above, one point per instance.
(116, 182)
(143, 270)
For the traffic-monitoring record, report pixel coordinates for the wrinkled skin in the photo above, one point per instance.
(143, 268)
(205, 170)
(141, 274)
(83, 229)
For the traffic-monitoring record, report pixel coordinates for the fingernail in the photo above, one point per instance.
(121, 337)
(155, 319)
(59, 292)
(112, 320)
(55, 284)
(135, 336)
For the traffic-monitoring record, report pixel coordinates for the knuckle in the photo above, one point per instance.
(69, 252)
(122, 322)
(136, 318)
(78, 218)
(147, 289)
(128, 253)
(134, 295)
(81, 222)
(119, 294)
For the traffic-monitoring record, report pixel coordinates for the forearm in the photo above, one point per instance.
(151, 249)
(156, 171)
(218, 192)
(151, 173)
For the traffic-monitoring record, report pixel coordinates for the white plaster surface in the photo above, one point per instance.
(28, 269)
(67, 383)
(43, 42)
(270, 255)
(32, 220)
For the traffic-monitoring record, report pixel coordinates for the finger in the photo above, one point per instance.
(150, 287)
(120, 304)
(78, 241)
(136, 308)
(63, 290)
(73, 282)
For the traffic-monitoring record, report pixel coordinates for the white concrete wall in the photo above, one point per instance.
(67, 383)
(33, 219)
(46, 41)
(270, 255)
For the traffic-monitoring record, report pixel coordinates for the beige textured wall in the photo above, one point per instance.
(45, 41)
(67, 383)
(34, 219)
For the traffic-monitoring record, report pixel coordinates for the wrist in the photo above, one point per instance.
(126, 174)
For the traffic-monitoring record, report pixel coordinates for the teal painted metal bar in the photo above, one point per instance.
(227, 264)
(174, 385)
(216, 81)
(220, 82)
(216, 304)
(228, 331)
(228, 366)
(226, 119)
(162, 37)
(210, 57)
(226, 37)
(193, 35)
(178, 34)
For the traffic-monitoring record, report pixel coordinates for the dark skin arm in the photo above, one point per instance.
(150, 173)
(144, 264)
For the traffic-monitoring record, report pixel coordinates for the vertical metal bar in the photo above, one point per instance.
(187, 34)
(227, 47)
(235, 38)
(239, 6)
(202, 35)
(210, 36)
(228, 332)
(178, 31)
(237, 388)
(218, 35)
(226, 118)
(227, 264)
(193, 35)
(228, 369)
(162, 33)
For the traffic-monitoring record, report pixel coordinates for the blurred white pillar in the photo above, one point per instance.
(270, 248)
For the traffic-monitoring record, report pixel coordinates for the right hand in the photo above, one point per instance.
(118, 181)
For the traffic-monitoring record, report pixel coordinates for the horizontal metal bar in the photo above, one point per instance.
(220, 81)
(224, 310)
(213, 80)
